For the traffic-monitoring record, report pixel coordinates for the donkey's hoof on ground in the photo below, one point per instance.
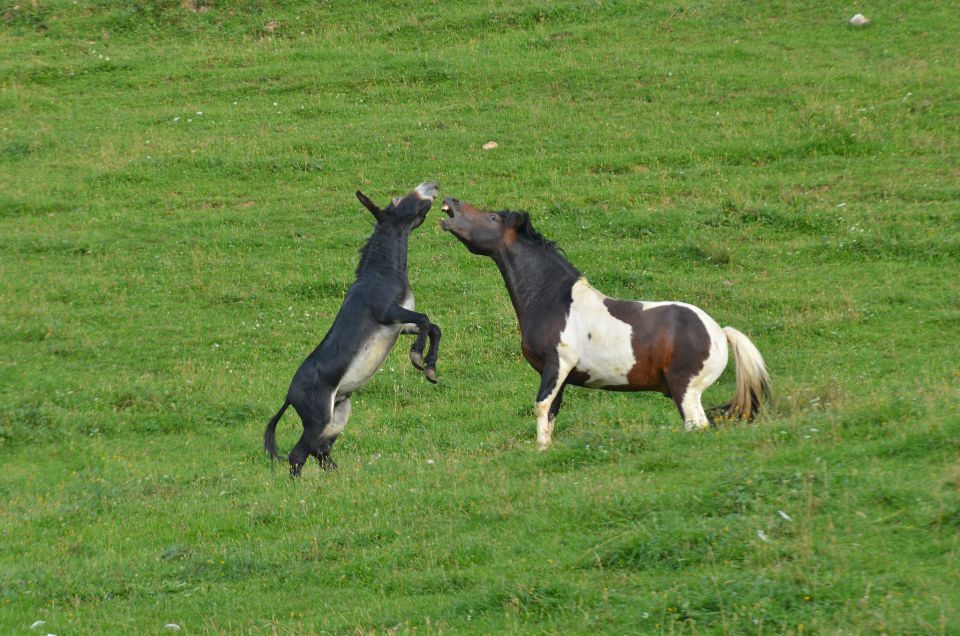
(295, 470)
(416, 357)
(542, 446)
(431, 374)
(327, 463)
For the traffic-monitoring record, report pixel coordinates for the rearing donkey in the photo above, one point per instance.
(573, 334)
(377, 308)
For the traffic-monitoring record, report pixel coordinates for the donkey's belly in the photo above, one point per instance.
(369, 358)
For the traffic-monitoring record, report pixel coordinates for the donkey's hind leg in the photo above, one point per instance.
(341, 413)
(316, 411)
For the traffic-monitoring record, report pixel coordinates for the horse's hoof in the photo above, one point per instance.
(431, 374)
(416, 357)
(295, 471)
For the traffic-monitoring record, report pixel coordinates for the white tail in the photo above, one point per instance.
(753, 381)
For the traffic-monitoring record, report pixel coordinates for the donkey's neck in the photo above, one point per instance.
(385, 252)
(537, 277)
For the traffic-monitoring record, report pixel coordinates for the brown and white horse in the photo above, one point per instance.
(573, 334)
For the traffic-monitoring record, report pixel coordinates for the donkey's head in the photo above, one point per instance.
(408, 211)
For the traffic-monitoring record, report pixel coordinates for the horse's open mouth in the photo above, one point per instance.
(446, 207)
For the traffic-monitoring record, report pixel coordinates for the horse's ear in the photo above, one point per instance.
(370, 205)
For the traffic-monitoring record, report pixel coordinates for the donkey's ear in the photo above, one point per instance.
(370, 205)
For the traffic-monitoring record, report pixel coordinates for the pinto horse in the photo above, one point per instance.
(573, 334)
(377, 308)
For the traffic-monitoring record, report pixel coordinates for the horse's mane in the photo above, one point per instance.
(525, 230)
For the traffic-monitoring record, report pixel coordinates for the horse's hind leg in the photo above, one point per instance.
(341, 413)
(687, 399)
(694, 418)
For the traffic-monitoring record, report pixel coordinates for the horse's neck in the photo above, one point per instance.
(385, 252)
(535, 277)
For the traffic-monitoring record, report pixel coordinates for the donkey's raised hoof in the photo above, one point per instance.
(431, 374)
(416, 358)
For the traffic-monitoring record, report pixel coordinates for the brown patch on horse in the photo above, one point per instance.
(509, 237)
(670, 346)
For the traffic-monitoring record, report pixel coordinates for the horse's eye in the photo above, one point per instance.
(396, 200)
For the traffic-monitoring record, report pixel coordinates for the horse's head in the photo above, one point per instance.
(408, 211)
(483, 232)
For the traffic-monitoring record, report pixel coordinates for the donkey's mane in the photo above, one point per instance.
(525, 230)
(363, 256)
(372, 250)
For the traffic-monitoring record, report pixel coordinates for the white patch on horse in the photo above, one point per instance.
(601, 346)
(593, 341)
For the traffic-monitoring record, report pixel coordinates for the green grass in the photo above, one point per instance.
(163, 272)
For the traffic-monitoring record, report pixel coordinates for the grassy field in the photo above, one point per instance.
(178, 228)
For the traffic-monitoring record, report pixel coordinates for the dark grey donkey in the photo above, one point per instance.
(377, 308)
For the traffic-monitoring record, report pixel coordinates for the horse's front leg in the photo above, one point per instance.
(552, 380)
(424, 329)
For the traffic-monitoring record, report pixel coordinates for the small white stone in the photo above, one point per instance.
(859, 20)
(173, 627)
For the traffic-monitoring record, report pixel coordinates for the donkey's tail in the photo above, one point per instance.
(753, 381)
(270, 434)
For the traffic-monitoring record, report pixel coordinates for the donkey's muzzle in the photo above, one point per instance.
(428, 190)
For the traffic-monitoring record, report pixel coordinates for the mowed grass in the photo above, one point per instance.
(178, 228)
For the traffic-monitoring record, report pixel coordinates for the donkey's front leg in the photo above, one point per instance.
(397, 314)
(552, 380)
(430, 362)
